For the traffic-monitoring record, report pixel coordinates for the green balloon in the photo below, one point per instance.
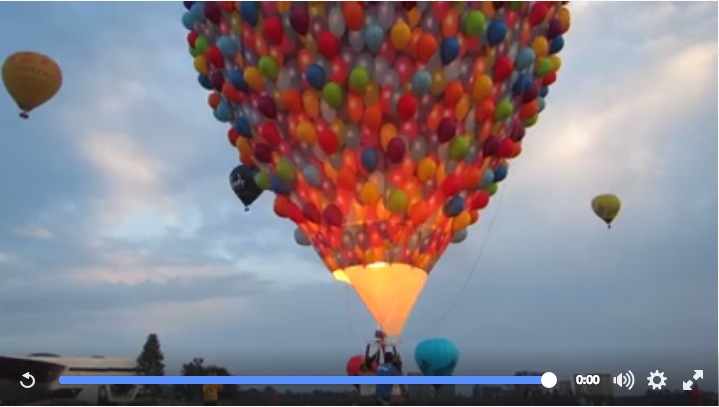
(459, 147)
(492, 189)
(504, 110)
(397, 201)
(262, 179)
(544, 67)
(515, 5)
(474, 23)
(333, 94)
(268, 67)
(531, 121)
(359, 79)
(285, 170)
(194, 52)
(201, 44)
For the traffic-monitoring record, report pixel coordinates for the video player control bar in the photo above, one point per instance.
(547, 380)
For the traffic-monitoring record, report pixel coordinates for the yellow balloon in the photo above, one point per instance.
(400, 35)
(387, 133)
(311, 103)
(461, 221)
(254, 78)
(556, 62)
(462, 108)
(438, 82)
(306, 132)
(369, 193)
(564, 17)
(541, 47)
(482, 88)
(201, 64)
(31, 79)
(426, 169)
(606, 207)
(371, 94)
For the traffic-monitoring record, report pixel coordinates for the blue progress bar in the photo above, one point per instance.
(299, 380)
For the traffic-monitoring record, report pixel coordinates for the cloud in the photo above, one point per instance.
(33, 232)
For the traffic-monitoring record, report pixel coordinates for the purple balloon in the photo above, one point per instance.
(267, 107)
(530, 94)
(300, 21)
(491, 145)
(213, 12)
(517, 133)
(447, 129)
(554, 29)
(217, 80)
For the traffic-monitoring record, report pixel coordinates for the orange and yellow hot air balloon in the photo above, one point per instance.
(383, 128)
(31, 79)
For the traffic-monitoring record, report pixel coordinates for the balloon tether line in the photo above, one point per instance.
(474, 266)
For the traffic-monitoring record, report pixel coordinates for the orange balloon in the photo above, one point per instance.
(529, 109)
(355, 107)
(214, 99)
(373, 117)
(31, 79)
(484, 111)
(292, 100)
(452, 93)
(426, 47)
(304, 59)
(450, 23)
(353, 12)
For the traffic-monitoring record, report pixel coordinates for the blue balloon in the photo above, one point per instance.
(436, 357)
(421, 82)
(500, 173)
(496, 32)
(541, 104)
(250, 12)
(227, 46)
(279, 186)
(374, 37)
(188, 4)
(487, 178)
(370, 159)
(556, 45)
(525, 59)
(223, 112)
(315, 75)
(543, 91)
(198, 11)
(449, 50)
(205, 82)
(454, 206)
(237, 79)
(242, 125)
(523, 84)
(188, 21)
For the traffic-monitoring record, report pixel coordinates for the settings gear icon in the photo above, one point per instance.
(657, 384)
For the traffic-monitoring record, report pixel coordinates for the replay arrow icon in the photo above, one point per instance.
(30, 377)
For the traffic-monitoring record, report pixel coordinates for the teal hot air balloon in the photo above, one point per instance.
(436, 357)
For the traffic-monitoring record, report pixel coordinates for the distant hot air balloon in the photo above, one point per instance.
(31, 79)
(606, 207)
(436, 357)
(242, 181)
(383, 128)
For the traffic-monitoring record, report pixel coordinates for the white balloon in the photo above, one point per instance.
(336, 22)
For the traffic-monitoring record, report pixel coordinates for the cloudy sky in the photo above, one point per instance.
(117, 219)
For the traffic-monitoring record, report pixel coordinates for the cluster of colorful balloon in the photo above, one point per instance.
(383, 128)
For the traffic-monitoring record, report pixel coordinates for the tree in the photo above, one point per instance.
(196, 367)
(151, 363)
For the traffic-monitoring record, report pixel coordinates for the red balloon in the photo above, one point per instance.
(332, 215)
(549, 79)
(300, 21)
(506, 146)
(537, 14)
(328, 141)
(263, 152)
(451, 185)
(491, 145)
(273, 30)
(479, 200)
(214, 57)
(232, 136)
(213, 12)
(192, 37)
(270, 133)
(328, 45)
(503, 68)
(396, 149)
(407, 106)
(311, 213)
(447, 129)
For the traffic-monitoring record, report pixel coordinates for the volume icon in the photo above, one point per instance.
(624, 379)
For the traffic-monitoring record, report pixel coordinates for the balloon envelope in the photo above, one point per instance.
(31, 79)
(376, 123)
(606, 207)
(436, 357)
(242, 181)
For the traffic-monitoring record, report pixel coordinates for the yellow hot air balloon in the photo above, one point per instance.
(606, 207)
(31, 79)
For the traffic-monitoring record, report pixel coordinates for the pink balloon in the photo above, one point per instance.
(404, 68)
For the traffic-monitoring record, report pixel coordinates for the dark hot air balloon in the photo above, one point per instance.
(242, 181)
